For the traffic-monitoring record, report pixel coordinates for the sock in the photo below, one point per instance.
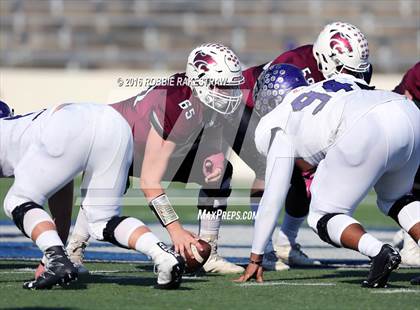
(46, 239)
(148, 244)
(124, 230)
(209, 224)
(369, 245)
(289, 229)
(81, 230)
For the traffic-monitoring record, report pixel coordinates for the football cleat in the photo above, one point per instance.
(410, 253)
(217, 264)
(76, 251)
(169, 267)
(272, 263)
(294, 256)
(59, 270)
(382, 264)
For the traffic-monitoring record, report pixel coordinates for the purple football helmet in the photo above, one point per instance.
(273, 85)
(5, 111)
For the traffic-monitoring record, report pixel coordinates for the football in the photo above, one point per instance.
(193, 264)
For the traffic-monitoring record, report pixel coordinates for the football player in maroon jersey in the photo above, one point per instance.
(410, 87)
(339, 47)
(166, 122)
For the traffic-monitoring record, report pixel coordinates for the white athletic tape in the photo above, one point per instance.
(287, 283)
(396, 291)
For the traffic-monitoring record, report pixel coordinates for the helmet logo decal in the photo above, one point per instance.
(341, 44)
(202, 61)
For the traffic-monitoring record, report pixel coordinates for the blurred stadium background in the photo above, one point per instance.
(54, 51)
(75, 50)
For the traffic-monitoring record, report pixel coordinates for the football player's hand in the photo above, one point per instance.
(254, 270)
(182, 239)
(213, 167)
(308, 177)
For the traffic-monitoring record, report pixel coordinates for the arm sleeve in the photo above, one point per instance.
(279, 170)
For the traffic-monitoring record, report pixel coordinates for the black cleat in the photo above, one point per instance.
(415, 281)
(170, 268)
(382, 264)
(59, 270)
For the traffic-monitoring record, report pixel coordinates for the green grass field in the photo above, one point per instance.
(130, 286)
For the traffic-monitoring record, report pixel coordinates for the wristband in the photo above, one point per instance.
(162, 208)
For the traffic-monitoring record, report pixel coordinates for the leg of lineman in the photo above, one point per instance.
(410, 252)
(296, 210)
(350, 169)
(56, 164)
(211, 203)
(103, 185)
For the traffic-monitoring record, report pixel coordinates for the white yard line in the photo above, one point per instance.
(396, 291)
(287, 283)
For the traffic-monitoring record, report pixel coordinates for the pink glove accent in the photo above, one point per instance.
(308, 176)
(213, 162)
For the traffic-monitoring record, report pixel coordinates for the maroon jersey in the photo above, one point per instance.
(410, 82)
(300, 57)
(172, 111)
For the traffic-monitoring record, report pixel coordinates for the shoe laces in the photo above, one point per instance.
(78, 248)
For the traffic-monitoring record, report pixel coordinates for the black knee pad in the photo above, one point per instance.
(399, 205)
(19, 212)
(321, 227)
(110, 228)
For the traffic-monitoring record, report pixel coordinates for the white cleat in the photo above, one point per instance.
(76, 251)
(410, 253)
(272, 263)
(169, 267)
(294, 256)
(216, 263)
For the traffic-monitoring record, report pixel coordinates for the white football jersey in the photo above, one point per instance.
(16, 134)
(314, 116)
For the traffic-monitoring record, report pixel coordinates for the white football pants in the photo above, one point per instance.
(380, 150)
(88, 138)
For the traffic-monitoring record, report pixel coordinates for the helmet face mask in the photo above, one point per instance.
(341, 46)
(224, 99)
(214, 75)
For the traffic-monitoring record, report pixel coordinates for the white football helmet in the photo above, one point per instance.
(214, 74)
(341, 45)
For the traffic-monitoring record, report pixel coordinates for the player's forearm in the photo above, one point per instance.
(280, 163)
(151, 188)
